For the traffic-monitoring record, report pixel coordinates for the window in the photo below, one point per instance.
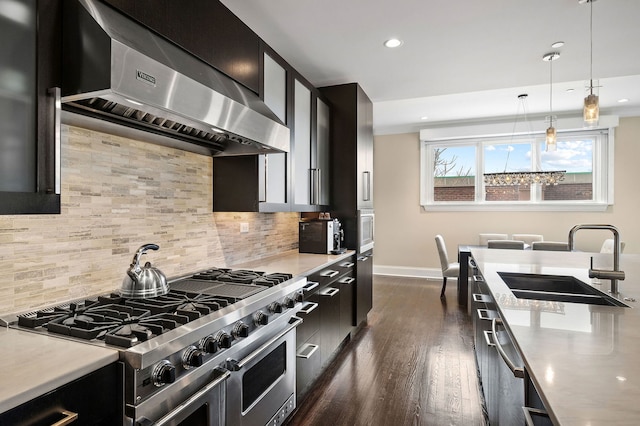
(450, 181)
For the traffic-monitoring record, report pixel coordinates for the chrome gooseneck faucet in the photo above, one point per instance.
(614, 275)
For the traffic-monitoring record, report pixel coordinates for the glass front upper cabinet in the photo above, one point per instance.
(29, 133)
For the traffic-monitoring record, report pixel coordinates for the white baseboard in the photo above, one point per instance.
(407, 271)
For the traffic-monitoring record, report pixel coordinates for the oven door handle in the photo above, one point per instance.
(234, 365)
(193, 399)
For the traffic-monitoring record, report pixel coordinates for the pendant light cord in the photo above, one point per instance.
(591, 47)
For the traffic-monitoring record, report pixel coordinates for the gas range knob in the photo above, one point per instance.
(163, 373)
(240, 330)
(275, 308)
(260, 318)
(209, 344)
(192, 357)
(299, 297)
(289, 302)
(224, 340)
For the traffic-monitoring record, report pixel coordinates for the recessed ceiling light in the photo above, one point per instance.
(623, 100)
(424, 117)
(393, 42)
(557, 44)
(569, 90)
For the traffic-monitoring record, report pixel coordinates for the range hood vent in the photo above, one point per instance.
(118, 70)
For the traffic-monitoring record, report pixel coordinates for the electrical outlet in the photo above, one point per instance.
(244, 227)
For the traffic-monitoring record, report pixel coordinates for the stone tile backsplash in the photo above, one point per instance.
(118, 194)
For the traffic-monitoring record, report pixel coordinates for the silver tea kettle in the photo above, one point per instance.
(146, 281)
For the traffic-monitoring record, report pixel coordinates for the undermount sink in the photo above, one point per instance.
(556, 288)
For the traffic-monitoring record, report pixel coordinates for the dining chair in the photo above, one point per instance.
(506, 244)
(607, 246)
(550, 245)
(527, 238)
(483, 238)
(449, 269)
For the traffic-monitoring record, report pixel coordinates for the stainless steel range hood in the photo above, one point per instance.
(118, 70)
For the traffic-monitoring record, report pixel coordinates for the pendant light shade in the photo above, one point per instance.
(591, 110)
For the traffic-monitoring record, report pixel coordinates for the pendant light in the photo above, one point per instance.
(591, 110)
(551, 131)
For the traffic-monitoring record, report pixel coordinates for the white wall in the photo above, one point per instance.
(405, 232)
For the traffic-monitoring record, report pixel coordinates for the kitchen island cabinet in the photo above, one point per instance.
(580, 360)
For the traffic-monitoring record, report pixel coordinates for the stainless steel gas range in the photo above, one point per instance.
(219, 348)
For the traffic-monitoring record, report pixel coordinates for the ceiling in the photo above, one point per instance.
(461, 60)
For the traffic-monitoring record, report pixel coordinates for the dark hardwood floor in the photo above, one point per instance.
(412, 365)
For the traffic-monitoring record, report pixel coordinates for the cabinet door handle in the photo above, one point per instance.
(315, 186)
(329, 273)
(55, 94)
(517, 371)
(262, 191)
(307, 351)
(69, 417)
(308, 308)
(366, 183)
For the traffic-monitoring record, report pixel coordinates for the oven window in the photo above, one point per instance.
(198, 418)
(263, 374)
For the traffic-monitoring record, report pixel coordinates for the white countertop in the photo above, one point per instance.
(583, 359)
(293, 262)
(34, 364)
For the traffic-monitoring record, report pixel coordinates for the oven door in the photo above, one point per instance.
(204, 408)
(261, 388)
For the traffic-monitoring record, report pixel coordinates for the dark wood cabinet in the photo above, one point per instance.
(207, 29)
(253, 183)
(29, 123)
(351, 148)
(364, 286)
(96, 399)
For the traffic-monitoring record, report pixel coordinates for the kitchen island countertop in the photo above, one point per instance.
(582, 359)
(36, 364)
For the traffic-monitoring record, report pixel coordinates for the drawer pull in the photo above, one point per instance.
(329, 273)
(308, 308)
(483, 314)
(528, 411)
(307, 351)
(346, 265)
(330, 292)
(481, 298)
(347, 280)
(488, 338)
(478, 278)
(69, 417)
(310, 286)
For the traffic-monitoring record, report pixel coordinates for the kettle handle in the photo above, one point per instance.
(135, 263)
